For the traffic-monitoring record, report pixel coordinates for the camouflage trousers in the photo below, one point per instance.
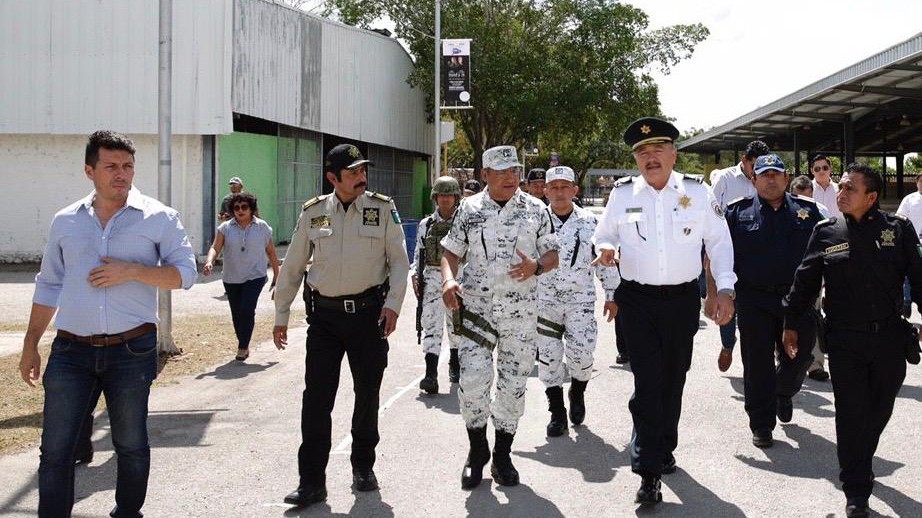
(435, 317)
(566, 331)
(511, 332)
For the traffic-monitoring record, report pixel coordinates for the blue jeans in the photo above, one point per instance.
(74, 378)
(242, 299)
(728, 333)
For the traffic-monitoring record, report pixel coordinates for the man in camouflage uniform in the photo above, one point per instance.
(431, 315)
(507, 239)
(566, 319)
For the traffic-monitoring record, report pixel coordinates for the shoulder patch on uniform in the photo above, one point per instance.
(693, 177)
(624, 181)
(311, 202)
(737, 200)
(386, 199)
(841, 247)
(395, 216)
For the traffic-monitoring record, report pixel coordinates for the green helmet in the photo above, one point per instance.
(446, 185)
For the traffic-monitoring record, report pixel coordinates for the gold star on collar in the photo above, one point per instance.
(645, 129)
(803, 214)
(685, 201)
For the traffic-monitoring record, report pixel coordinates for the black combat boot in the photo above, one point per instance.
(502, 470)
(558, 424)
(577, 403)
(454, 367)
(477, 457)
(650, 492)
(430, 382)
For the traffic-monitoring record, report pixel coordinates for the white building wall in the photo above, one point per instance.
(44, 173)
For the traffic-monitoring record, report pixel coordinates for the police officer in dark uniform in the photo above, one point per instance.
(863, 258)
(770, 233)
(353, 290)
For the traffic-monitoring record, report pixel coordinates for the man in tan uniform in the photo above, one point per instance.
(353, 293)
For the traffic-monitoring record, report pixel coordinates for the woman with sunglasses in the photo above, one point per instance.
(248, 251)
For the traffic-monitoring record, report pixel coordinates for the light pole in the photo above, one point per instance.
(436, 162)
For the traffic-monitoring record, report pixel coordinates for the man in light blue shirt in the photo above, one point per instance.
(106, 257)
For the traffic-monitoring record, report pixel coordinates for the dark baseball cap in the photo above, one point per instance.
(536, 175)
(768, 163)
(344, 156)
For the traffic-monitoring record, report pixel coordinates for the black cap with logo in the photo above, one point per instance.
(649, 130)
(344, 156)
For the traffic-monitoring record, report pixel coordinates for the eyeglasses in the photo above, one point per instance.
(241, 207)
(819, 168)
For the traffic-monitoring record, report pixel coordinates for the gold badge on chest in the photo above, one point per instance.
(887, 238)
(685, 202)
(370, 217)
(803, 214)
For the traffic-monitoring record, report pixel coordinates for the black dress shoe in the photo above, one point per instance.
(621, 359)
(818, 375)
(669, 465)
(117, 513)
(306, 495)
(650, 492)
(785, 409)
(857, 508)
(762, 439)
(364, 480)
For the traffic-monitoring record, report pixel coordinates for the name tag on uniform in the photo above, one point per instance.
(747, 218)
(474, 220)
(836, 248)
(320, 221)
(633, 210)
(371, 217)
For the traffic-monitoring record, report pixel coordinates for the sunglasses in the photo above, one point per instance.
(820, 168)
(241, 207)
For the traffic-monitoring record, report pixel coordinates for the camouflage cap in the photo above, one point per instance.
(445, 185)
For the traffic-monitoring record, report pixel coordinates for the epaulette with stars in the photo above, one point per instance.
(624, 181)
(379, 196)
(314, 201)
(693, 177)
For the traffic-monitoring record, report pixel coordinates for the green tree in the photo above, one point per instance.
(569, 74)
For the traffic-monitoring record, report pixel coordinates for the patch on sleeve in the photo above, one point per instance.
(717, 209)
(841, 247)
(919, 249)
(395, 216)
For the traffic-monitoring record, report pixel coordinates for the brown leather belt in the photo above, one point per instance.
(107, 340)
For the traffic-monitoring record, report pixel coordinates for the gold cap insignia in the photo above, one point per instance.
(645, 129)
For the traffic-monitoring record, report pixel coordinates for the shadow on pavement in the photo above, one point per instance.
(234, 369)
(447, 403)
(366, 504)
(581, 450)
(696, 499)
(911, 392)
(524, 502)
(33, 420)
(898, 501)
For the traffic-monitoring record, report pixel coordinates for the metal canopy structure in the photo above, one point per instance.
(872, 108)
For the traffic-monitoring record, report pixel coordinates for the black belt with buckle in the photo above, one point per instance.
(660, 291)
(774, 289)
(107, 340)
(370, 298)
(873, 326)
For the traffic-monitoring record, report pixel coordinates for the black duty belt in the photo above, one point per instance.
(660, 291)
(774, 289)
(370, 298)
(873, 327)
(107, 340)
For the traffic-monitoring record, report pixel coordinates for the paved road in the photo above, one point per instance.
(225, 443)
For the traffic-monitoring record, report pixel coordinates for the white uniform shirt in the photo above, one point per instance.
(730, 184)
(827, 197)
(660, 232)
(571, 281)
(911, 207)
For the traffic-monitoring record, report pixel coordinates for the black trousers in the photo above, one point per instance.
(619, 337)
(761, 324)
(331, 335)
(867, 373)
(659, 330)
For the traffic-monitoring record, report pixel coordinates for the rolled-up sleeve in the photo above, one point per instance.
(719, 244)
(176, 250)
(547, 238)
(456, 239)
(50, 279)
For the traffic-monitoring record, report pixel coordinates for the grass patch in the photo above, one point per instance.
(204, 340)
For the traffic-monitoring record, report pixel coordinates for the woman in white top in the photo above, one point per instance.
(248, 251)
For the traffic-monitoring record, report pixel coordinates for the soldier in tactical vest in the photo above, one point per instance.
(431, 317)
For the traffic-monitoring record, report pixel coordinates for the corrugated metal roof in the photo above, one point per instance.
(73, 66)
(879, 96)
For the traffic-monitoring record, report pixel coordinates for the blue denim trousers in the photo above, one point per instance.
(75, 376)
(242, 299)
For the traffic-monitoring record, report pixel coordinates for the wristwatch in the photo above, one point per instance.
(728, 292)
(539, 269)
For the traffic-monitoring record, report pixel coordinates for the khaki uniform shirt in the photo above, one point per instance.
(352, 251)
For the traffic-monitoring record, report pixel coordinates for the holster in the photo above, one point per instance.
(911, 334)
(308, 296)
